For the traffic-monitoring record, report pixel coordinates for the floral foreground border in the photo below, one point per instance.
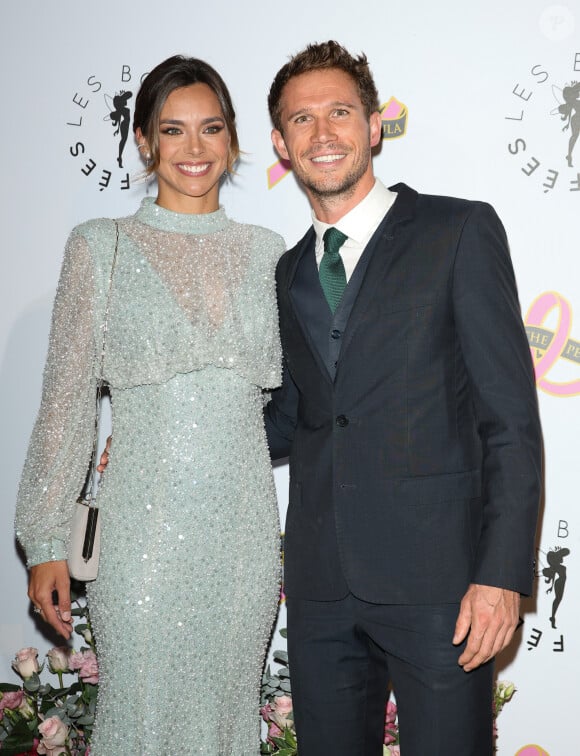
(40, 718)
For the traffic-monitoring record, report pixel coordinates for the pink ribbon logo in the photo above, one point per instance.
(549, 346)
(277, 172)
(532, 750)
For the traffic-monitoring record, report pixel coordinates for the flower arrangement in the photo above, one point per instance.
(391, 739)
(41, 718)
(276, 711)
(276, 708)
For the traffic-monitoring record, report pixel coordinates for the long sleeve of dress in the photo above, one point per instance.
(61, 443)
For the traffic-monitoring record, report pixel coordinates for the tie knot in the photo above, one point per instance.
(333, 240)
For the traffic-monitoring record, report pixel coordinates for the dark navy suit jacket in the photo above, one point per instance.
(410, 416)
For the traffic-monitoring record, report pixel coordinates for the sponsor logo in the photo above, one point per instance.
(394, 119)
(277, 172)
(549, 327)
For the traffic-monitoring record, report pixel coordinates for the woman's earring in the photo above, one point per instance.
(146, 155)
(147, 158)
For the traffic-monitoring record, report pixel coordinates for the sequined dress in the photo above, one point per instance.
(189, 572)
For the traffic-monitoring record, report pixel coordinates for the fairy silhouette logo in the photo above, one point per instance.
(542, 150)
(120, 116)
(548, 626)
(555, 575)
(98, 129)
(569, 110)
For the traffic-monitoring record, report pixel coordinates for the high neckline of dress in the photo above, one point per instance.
(184, 223)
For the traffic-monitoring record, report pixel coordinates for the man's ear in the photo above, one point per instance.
(279, 144)
(376, 128)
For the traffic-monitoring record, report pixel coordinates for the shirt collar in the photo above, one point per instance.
(359, 223)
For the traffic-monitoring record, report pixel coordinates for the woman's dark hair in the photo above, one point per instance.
(174, 73)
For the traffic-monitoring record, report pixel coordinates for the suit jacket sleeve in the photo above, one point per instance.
(280, 416)
(495, 350)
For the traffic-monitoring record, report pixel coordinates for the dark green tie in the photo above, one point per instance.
(331, 271)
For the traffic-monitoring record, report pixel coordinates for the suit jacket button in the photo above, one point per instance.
(335, 333)
(342, 421)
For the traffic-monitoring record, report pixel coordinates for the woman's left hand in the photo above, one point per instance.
(45, 579)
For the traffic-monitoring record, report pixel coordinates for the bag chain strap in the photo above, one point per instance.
(87, 492)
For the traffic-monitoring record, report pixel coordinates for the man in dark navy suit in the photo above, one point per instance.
(409, 412)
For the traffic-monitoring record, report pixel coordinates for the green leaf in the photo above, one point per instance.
(86, 720)
(20, 740)
(55, 711)
(32, 684)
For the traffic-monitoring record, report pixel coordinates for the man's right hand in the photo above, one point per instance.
(45, 579)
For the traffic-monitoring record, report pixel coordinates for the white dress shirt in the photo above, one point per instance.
(359, 224)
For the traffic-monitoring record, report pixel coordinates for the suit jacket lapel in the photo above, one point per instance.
(307, 302)
(380, 248)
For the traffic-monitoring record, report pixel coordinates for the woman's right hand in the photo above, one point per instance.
(45, 579)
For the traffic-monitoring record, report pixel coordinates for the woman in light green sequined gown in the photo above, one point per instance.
(189, 572)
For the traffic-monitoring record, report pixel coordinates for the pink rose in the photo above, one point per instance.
(391, 713)
(392, 750)
(58, 659)
(391, 724)
(54, 734)
(274, 732)
(265, 711)
(283, 705)
(86, 663)
(11, 699)
(390, 737)
(282, 712)
(26, 662)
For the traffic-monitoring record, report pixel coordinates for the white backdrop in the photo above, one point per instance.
(481, 84)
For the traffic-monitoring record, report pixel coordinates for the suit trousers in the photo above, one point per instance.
(344, 654)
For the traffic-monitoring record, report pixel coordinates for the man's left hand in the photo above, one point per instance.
(490, 616)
